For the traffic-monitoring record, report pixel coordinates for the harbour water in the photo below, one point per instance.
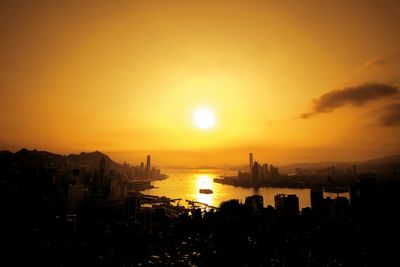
(185, 184)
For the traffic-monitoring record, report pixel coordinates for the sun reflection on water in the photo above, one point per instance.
(204, 181)
(185, 184)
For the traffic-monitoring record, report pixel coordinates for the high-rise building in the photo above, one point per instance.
(260, 172)
(279, 201)
(141, 170)
(287, 204)
(132, 206)
(255, 203)
(255, 173)
(148, 167)
(250, 164)
(273, 171)
(266, 171)
(317, 199)
(364, 192)
(340, 207)
(153, 172)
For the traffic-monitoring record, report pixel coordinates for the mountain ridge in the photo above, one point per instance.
(376, 164)
(38, 158)
(91, 160)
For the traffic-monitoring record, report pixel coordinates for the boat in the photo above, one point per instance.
(205, 191)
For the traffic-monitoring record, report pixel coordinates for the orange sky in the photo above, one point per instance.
(124, 77)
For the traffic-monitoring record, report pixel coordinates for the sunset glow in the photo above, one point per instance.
(200, 133)
(285, 80)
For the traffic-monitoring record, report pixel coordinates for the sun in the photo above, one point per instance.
(203, 118)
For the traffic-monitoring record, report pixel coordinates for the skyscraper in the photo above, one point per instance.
(266, 171)
(141, 167)
(287, 204)
(250, 164)
(255, 203)
(148, 167)
(317, 199)
(255, 173)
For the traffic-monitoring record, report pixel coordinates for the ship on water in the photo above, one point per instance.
(205, 191)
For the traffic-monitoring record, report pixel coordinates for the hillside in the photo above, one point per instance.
(35, 158)
(384, 164)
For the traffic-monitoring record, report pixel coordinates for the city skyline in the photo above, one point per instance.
(292, 82)
(200, 133)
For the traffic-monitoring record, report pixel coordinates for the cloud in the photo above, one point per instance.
(356, 96)
(374, 62)
(384, 60)
(390, 115)
(306, 115)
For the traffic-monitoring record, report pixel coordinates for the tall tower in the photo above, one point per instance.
(148, 167)
(271, 171)
(266, 171)
(317, 199)
(250, 164)
(256, 173)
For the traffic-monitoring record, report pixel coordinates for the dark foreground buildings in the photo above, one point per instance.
(39, 229)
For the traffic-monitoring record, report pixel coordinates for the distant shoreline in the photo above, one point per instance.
(248, 184)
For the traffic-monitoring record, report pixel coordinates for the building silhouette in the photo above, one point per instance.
(266, 171)
(255, 203)
(287, 205)
(317, 199)
(141, 170)
(250, 164)
(255, 173)
(273, 171)
(148, 167)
